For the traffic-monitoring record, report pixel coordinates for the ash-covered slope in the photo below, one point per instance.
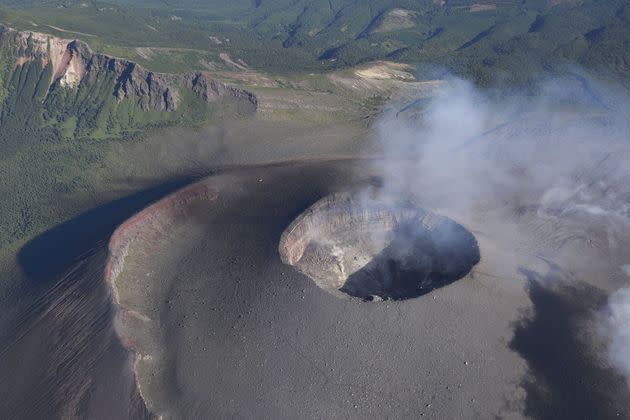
(84, 93)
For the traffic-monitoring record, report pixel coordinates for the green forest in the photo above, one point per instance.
(474, 39)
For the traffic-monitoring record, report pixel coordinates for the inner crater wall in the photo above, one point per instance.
(370, 246)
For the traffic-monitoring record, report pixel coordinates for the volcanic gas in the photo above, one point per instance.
(371, 246)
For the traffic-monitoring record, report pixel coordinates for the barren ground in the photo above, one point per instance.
(225, 329)
(221, 328)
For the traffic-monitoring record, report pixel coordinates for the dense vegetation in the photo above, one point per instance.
(477, 39)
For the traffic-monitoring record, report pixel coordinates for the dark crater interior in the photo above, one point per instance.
(417, 261)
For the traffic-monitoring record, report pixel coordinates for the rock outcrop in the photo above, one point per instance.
(210, 90)
(73, 63)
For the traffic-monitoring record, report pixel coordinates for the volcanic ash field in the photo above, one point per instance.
(456, 276)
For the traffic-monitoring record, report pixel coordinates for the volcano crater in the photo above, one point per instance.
(373, 247)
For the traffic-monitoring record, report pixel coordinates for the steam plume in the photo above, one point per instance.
(617, 322)
(556, 163)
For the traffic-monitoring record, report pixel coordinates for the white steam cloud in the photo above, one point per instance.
(550, 168)
(618, 324)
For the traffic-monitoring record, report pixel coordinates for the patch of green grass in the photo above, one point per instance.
(68, 127)
(176, 61)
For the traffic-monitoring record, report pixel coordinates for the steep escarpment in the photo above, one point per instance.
(346, 212)
(63, 84)
(211, 90)
(153, 217)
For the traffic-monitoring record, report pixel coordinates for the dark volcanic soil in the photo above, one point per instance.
(224, 329)
(61, 357)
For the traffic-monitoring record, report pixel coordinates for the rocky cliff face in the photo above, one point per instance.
(73, 63)
(210, 90)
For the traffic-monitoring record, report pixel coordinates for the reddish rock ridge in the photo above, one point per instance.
(152, 217)
(139, 227)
